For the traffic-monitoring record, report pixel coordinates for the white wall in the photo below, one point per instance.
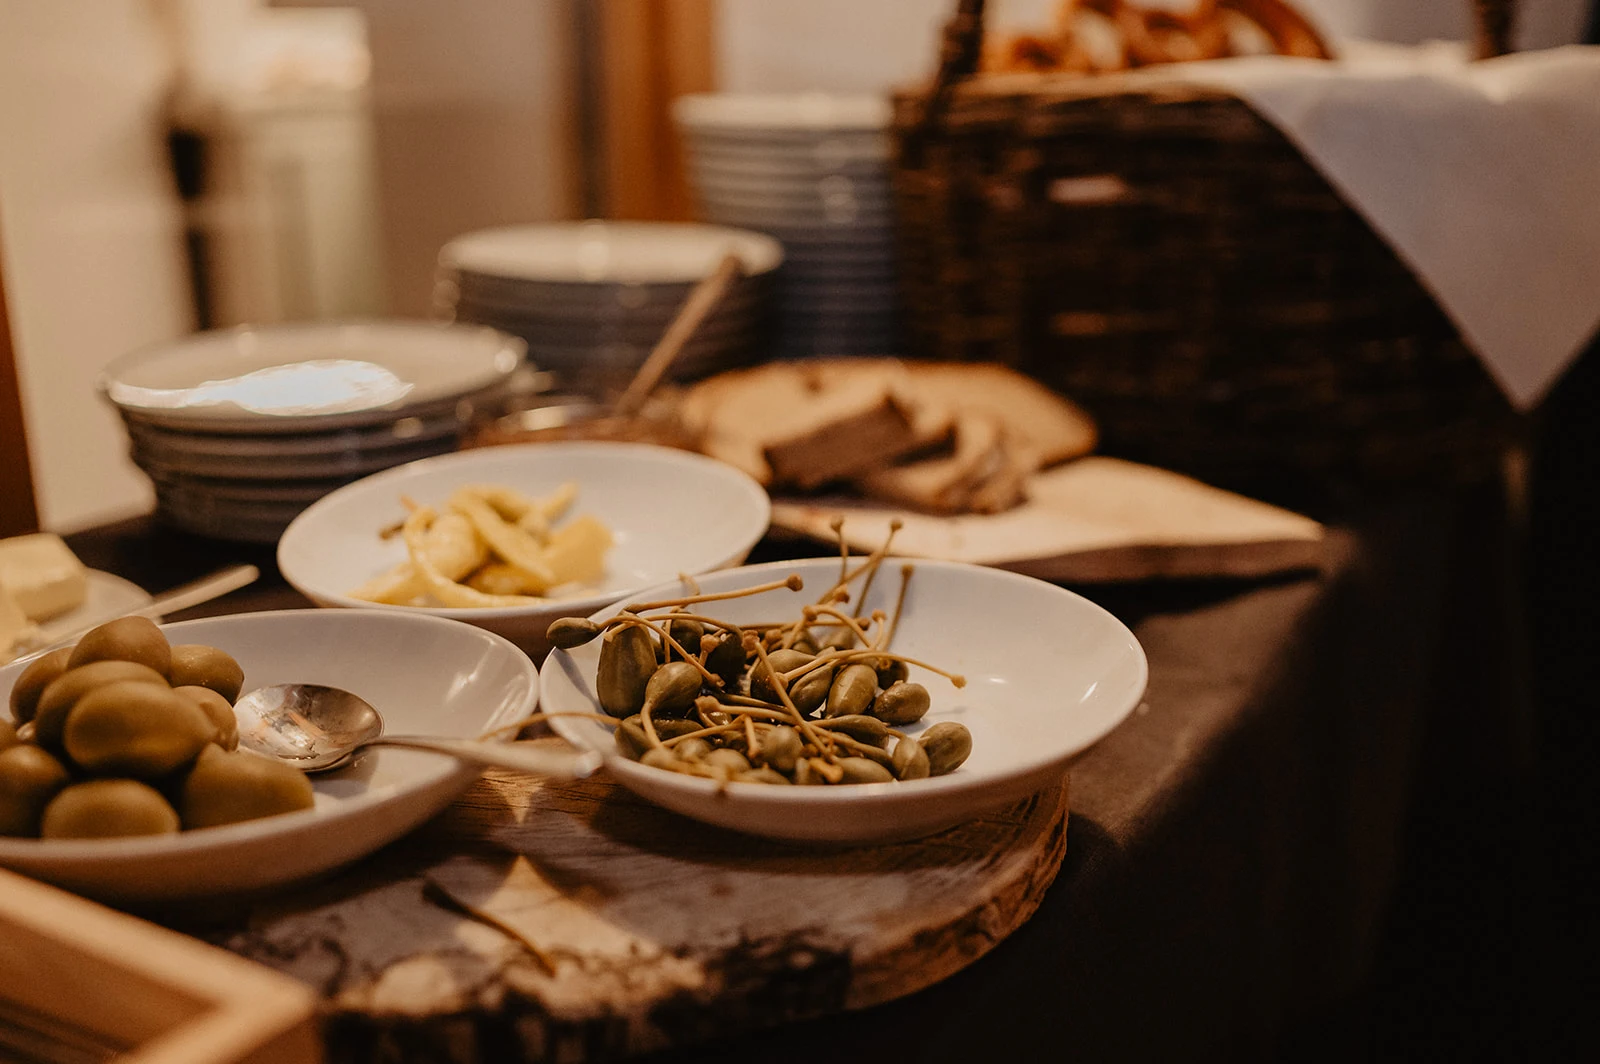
(91, 235)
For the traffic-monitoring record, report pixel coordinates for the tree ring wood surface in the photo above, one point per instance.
(576, 922)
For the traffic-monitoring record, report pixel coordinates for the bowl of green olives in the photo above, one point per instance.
(122, 776)
(842, 700)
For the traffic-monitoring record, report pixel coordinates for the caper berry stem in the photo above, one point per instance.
(899, 604)
(710, 677)
(752, 743)
(857, 746)
(955, 678)
(793, 582)
(781, 688)
(715, 729)
(853, 623)
(876, 562)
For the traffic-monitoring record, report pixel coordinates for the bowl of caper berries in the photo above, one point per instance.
(842, 700)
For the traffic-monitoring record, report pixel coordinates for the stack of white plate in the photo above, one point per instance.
(813, 171)
(591, 299)
(241, 429)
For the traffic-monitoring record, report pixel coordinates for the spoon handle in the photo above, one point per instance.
(564, 764)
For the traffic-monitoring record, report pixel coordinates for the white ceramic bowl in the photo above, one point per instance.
(598, 253)
(426, 675)
(309, 377)
(669, 511)
(777, 113)
(1048, 673)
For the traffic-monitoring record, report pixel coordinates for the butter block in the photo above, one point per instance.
(16, 631)
(43, 575)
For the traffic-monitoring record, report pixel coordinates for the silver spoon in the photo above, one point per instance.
(316, 728)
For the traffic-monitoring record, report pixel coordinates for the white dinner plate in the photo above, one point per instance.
(426, 675)
(1048, 673)
(751, 114)
(669, 512)
(596, 252)
(308, 377)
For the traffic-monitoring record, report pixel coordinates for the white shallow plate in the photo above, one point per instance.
(1048, 674)
(803, 112)
(669, 511)
(108, 597)
(595, 252)
(426, 675)
(307, 377)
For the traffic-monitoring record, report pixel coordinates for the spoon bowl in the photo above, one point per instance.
(318, 728)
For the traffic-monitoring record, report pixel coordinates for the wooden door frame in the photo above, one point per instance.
(19, 508)
(646, 53)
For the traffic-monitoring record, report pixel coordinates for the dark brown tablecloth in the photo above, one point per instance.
(1239, 880)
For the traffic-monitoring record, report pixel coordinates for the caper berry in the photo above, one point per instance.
(627, 661)
(570, 632)
(902, 703)
(672, 689)
(909, 760)
(852, 691)
(863, 770)
(947, 745)
(781, 661)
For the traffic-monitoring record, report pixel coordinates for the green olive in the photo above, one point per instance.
(105, 809)
(8, 734)
(34, 679)
(29, 778)
(227, 787)
(196, 665)
(220, 712)
(947, 745)
(125, 639)
(627, 661)
(864, 770)
(570, 632)
(902, 703)
(134, 728)
(909, 760)
(852, 691)
(57, 700)
(672, 689)
(781, 661)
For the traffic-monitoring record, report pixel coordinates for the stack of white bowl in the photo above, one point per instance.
(591, 299)
(241, 429)
(812, 170)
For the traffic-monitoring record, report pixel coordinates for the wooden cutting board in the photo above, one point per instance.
(584, 924)
(1092, 520)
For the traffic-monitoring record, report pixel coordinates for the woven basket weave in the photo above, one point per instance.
(1166, 257)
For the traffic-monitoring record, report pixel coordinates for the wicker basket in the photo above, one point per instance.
(1167, 258)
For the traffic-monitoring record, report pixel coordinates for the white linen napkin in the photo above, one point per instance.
(1484, 176)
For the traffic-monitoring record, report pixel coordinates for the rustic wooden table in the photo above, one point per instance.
(1230, 858)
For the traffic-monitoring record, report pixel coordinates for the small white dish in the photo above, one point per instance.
(799, 112)
(1048, 674)
(426, 675)
(601, 253)
(669, 512)
(308, 377)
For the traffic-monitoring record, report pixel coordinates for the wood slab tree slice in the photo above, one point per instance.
(577, 922)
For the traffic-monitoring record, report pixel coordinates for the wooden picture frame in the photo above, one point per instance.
(81, 982)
